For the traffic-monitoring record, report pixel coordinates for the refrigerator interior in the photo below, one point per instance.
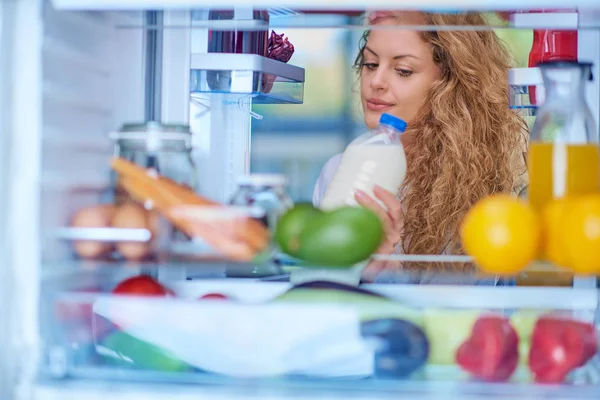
(69, 78)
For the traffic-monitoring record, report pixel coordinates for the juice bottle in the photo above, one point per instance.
(562, 170)
(564, 157)
(563, 151)
(550, 45)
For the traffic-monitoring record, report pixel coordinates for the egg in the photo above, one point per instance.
(131, 215)
(93, 217)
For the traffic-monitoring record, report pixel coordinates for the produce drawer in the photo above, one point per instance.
(319, 333)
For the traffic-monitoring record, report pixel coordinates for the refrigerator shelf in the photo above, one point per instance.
(320, 5)
(104, 234)
(525, 77)
(225, 389)
(167, 248)
(267, 81)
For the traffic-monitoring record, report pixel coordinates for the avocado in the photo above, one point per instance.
(122, 349)
(341, 238)
(291, 225)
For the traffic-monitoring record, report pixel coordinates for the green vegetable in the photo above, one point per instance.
(341, 238)
(291, 225)
(368, 307)
(123, 349)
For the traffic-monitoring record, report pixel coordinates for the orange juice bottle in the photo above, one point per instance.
(564, 157)
(562, 170)
(563, 151)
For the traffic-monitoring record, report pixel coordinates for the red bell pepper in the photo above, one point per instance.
(491, 352)
(558, 346)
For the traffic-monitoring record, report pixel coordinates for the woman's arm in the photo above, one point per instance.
(391, 217)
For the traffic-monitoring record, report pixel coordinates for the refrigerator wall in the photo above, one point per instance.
(69, 78)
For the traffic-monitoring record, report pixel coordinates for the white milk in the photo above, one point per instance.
(363, 166)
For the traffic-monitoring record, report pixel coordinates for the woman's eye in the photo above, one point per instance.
(405, 73)
(370, 66)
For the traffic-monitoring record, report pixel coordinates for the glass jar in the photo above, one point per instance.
(239, 41)
(165, 148)
(266, 191)
(253, 41)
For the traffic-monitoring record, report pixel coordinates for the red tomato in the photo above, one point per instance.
(214, 296)
(142, 285)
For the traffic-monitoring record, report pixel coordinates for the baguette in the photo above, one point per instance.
(214, 233)
(176, 195)
(180, 194)
(179, 205)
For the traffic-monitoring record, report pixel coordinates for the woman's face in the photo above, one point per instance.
(398, 70)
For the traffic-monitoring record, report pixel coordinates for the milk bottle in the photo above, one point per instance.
(375, 158)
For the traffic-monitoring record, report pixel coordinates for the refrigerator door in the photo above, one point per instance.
(59, 72)
(20, 40)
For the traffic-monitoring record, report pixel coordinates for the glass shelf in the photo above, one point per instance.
(266, 80)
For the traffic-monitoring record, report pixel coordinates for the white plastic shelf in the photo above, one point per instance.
(505, 5)
(525, 77)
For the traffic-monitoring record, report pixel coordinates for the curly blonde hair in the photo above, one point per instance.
(466, 142)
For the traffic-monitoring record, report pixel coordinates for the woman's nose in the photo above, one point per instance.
(379, 79)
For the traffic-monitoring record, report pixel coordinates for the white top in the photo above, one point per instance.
(325, 178)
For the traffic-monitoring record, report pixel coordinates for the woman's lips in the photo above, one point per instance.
(377, 105)
(377, 15)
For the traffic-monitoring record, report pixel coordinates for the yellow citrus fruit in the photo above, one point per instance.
(502, 234)
(581, 234)
(553, 244)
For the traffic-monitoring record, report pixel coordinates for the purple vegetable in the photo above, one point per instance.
(280, 48)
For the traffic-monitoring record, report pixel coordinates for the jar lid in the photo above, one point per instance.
(155, 126)
(262, 180)
(154, 136)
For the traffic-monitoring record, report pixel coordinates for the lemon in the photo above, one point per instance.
(553, 245)
(581, 234)
(502, 234)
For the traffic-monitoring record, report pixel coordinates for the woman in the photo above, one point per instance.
(462, 143)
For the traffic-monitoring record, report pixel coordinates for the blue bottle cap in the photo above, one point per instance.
(395, 122)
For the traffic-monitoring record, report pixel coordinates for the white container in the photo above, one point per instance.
(376, 158)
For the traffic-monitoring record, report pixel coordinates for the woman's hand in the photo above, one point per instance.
(391, 217)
